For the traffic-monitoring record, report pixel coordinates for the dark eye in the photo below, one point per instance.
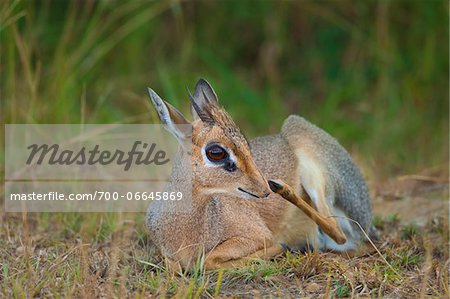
(216, 153)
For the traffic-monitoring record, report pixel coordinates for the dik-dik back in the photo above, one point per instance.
(233, 215)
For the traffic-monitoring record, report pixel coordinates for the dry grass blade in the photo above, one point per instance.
(371, 243)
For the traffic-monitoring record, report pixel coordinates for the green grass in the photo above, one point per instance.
(374, 74)
(342, 290)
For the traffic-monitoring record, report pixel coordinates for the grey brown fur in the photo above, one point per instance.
(226, 225)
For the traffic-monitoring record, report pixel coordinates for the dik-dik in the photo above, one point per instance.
(233, 215)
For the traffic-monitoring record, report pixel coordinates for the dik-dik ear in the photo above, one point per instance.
(171, 118)
(204, 97)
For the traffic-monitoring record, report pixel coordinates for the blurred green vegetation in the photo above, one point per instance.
(372, 73)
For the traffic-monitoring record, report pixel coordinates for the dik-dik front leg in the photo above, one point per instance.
(237, 251)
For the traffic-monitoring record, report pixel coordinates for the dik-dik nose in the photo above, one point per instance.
(266, 194)
(264, 190)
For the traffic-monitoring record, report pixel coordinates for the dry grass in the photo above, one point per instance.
(110, 255)
(349, 67)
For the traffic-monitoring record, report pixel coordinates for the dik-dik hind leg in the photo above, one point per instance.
(236, 252)
(313, 181)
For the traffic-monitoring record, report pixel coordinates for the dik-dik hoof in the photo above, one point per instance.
(275, 186)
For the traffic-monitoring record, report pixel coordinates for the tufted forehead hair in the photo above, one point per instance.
(220, 121)
(211, 122)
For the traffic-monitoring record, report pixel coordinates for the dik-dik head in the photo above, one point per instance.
(221, 157)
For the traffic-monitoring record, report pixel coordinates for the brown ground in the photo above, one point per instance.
(98, 255)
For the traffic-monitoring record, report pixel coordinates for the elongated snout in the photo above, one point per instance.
(256, 186)
(261, 187)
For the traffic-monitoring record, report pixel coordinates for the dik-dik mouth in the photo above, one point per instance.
(249, 193)
(252, 194)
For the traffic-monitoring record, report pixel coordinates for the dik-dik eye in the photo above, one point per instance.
(216, 153)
